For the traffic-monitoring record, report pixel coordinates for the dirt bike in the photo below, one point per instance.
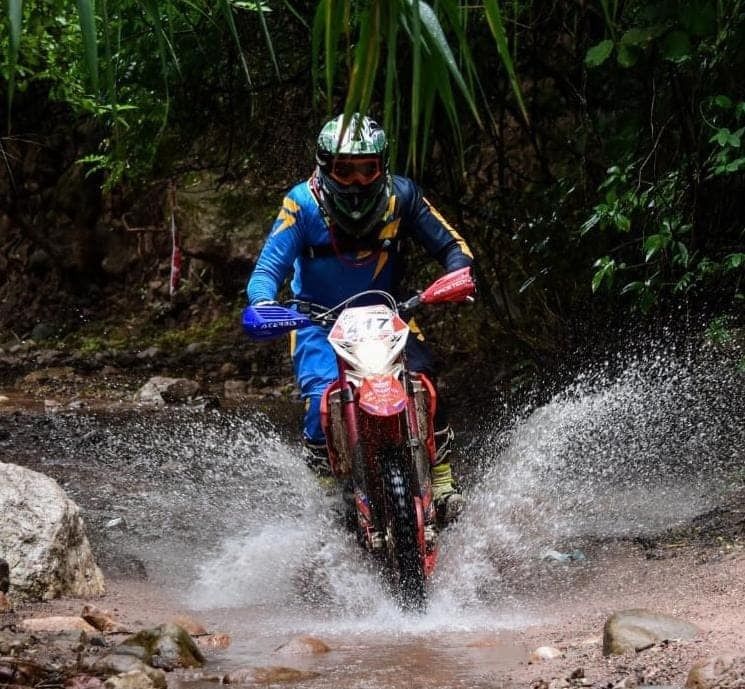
(378, 420)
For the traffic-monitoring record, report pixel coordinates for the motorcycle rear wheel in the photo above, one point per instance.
(402, 549)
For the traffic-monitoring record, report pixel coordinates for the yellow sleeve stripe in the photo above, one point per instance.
(290, 205)
(453, 233)
(286, 216)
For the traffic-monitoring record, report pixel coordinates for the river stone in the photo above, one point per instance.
(42, 536)
(213, 641)
(168, 646)
(268, 675)
(545, 653)
(303, 645)
(83, 682)
(118, 663)
(20, 671)
(718, 672)
(135, 679)
(58, 624)
(160, 389)
(45, 375)
(102, 620)
(639, 629)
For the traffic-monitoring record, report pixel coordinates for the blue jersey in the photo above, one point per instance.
(327, 270)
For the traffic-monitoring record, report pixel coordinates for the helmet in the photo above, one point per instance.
(353, 183)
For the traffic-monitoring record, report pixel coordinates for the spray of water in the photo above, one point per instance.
(223, 506)
(610, 456)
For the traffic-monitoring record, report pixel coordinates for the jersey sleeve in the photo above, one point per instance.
(429, 228)
(283, 245)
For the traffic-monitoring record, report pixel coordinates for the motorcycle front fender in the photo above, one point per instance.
(382, 396)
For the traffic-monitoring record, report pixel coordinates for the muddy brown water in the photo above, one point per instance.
(214, 513)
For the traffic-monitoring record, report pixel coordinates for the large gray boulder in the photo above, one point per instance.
(42, 537)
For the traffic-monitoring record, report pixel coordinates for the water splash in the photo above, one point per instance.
(222, 505)
(628, 455)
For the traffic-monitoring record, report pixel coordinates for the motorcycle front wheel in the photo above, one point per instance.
(402, 549)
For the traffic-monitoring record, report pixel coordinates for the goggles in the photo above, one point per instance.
(348, 170)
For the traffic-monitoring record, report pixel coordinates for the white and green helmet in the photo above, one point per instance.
(353, 180)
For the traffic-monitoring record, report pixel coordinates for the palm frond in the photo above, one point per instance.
(496, 25)
(15, 21)
(87, 16)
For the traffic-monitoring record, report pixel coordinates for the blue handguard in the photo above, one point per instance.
(268, 321)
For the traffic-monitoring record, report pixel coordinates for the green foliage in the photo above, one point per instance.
(435, 74)
(660, 193)
(124, 64)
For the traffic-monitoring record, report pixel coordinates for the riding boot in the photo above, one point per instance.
(448, 500)
(316, 456)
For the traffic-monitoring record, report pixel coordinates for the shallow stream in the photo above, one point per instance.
(218, 509)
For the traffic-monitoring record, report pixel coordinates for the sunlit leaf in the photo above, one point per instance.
(734, 261)
(627, 56)
(599, 53)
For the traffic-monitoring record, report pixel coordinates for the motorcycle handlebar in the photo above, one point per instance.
(324, 315)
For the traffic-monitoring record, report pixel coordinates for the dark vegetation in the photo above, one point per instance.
(590, 152)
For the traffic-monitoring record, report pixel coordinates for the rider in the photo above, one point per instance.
(342, 232)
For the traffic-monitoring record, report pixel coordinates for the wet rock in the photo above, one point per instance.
(135, 679)
(228, 370)
(48, 356)
(20, 671)
(46, 375)
(213, 642)
(83, 682)
(12, 644)
(57, 624)
(268, 675)
(556, 556)
(102, 620)
(168, 646)
(44, 537)
(160, 389)
(545, 653)
(118, 663)
(149, 353)
(235, 389)
(303, 645)
(717, 672)
(639, 629)
(43, 331)
(205, 402)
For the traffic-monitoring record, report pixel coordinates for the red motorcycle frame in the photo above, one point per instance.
(378, 420)
(380, 436)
